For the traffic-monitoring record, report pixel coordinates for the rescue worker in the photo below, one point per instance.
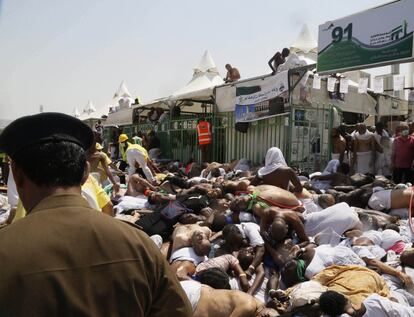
(135, 154)
(204, 138)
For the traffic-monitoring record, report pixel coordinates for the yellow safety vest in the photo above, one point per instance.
(139, 148)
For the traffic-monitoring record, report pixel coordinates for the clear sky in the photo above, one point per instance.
(62, 53)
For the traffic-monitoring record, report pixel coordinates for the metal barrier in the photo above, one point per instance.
(309, 134)
(302, 135)
(230, 144)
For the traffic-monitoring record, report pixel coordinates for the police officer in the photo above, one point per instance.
(64, 258)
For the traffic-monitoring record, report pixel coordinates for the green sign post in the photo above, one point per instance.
(375, 37)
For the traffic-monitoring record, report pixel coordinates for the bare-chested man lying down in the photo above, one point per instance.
(207, 301)
(192, 235)
(338, 178)
(390, 199)
(191, 245)
(137, 186)
(264, 196)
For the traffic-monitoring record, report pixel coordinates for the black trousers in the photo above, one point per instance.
(402, 175)
(122, 166)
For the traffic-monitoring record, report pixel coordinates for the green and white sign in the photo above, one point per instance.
(375, 37)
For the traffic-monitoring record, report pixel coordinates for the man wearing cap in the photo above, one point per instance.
(135, 154)
(64, 258)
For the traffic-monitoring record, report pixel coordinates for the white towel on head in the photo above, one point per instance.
(389, 238)
(274, 159)
(364, 137)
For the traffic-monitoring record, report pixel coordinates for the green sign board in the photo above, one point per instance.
(375, 37)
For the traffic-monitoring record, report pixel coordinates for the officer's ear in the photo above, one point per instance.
(18, 175)
(86, 173)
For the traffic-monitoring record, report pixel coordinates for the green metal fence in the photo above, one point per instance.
(302, 134)
(230, 144)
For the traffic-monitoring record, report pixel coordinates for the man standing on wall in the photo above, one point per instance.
(204, 139)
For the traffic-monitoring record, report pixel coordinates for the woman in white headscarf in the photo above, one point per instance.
(276, 172)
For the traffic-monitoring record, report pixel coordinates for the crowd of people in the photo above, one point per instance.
(210, 239)
(375, 151)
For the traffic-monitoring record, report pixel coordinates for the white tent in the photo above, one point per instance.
(90, 112)
(122, 91)
(89, 108)
(205, 77)
(305, 44)
(122, 98)
(76, 112)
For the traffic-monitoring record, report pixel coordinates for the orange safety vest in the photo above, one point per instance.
(204, 133)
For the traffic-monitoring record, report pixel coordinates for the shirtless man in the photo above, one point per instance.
(338, 145)
(339, 178)
(232, 74)
(235, 186)
(276, 223)
(391, 199)
(364, 150)
(191, 236)
(138, 185)
(264, 196)
(190, 247)
(207, 301)
(95, 158)
(277, 173)
(278, 59)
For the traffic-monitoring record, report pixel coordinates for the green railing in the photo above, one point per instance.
(302, 135)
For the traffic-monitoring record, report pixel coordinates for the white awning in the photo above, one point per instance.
(390, 106)
(201, 86)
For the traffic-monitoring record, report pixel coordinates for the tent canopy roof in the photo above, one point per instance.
(205, 78)
(305, 42)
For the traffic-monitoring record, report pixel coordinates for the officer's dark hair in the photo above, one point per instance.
(332, 303)
(215, 278)
(52, 164)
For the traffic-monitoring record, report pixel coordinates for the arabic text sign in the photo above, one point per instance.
(379, 36)
(251, 102)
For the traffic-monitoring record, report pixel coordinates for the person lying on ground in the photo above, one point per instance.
(277, 224)
(338, 178)
(316, 258)
(242, 235)
(223, 263)
(334, 304)
(138, 185)
(265, 196)
(184, 261)
(191, 235)
(207, 301)
(390, 199)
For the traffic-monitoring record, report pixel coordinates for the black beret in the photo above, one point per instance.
(43, 128)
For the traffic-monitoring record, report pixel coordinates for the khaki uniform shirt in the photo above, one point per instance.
(66, 259)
